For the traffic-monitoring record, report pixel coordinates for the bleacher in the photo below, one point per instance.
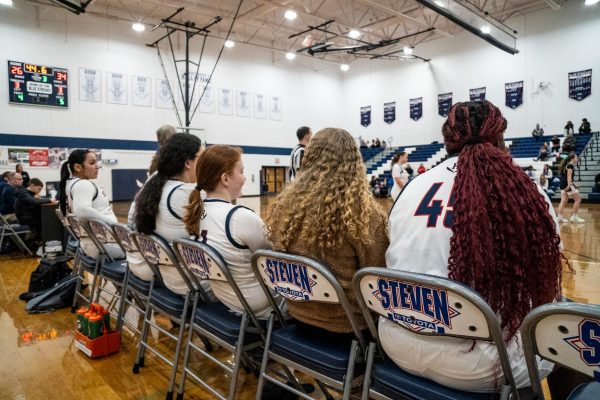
(524, 150)
(368, 153)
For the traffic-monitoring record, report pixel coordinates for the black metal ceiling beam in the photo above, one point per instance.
(73, 7)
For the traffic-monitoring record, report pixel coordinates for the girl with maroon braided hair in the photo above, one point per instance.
(478, 219)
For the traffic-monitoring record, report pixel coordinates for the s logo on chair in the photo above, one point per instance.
(290, 280)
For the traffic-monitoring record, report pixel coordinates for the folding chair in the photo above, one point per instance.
(135, 293)
(331, 362)
(568, 334)
(157, 253)
(111, 270)
(14, 232)
(237, 334)
(72, 241)
(380, 290)
(83, 263)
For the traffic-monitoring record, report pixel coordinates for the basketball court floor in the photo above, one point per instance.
(40, 361)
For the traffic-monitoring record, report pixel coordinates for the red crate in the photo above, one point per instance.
(108, 343)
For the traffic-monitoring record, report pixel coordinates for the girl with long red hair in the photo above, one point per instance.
(478, 219)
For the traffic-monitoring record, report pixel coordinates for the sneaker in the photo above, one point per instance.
(562, 220)
(577, 220)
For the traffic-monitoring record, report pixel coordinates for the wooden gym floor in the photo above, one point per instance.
(38, 359)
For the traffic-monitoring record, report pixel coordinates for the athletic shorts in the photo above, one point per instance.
(570, 190)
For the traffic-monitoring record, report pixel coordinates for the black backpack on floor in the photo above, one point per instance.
(47, 274)
(54, 298)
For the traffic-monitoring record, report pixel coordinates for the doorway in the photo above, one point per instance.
(273, 179)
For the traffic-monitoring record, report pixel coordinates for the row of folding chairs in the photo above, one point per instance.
(564, 333)
(15, 232)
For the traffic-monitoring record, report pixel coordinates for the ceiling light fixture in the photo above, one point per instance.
(407, 50)
(138, 27)
(591, 2)
(486, 29)
(290, 56)
(229, 44)
(344, 67)
(354, 34)
(6, 2)
(290, 14)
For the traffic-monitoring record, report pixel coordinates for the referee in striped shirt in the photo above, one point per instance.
(304, 134)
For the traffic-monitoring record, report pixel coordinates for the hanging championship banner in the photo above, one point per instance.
(444, 103)
(416, 108)
(580, 84)
(365, 116)
(389, 112)
(514, 94)
(477, 94)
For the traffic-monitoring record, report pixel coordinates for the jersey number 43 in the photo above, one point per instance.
(433, 209)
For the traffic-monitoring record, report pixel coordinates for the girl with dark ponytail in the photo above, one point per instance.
(81, 197)
(161, 203)
(478, 219)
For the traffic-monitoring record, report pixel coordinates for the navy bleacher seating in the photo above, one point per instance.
(368, 153)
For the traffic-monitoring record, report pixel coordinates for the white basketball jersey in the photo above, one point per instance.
(420, 223)
(223, 226)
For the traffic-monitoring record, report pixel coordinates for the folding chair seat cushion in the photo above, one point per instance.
(88, 263)
(167, 301)
(218, 319)
(72, 245)
(19, 228)
(587, 391)
(392, 381)
(328, 356)
(114, 270)
(138, 284)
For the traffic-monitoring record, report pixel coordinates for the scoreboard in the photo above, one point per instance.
(38, 85)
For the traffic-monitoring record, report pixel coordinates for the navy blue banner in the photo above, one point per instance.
(514, 94)
(365, 116)
(444, 103)
(416, 108)
(477, 94)
(389, 112)
(580, 84)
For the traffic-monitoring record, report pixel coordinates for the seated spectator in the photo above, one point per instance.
(585, 126)
(479, 247)
(28, 207)
(537, 133)
(544, 185)
(543, 156)
(569, 128)
(24, 174)
(160, 205)
(383, 144)
(529, 171)
(7, 200)
(363, 144)
(568, 144)
(421, 169)
(329, 215)
(234, 231)
(555, 143)
(373, 182)
(547, 172)
(81, 197)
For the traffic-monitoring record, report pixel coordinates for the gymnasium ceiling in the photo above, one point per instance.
(262, 23)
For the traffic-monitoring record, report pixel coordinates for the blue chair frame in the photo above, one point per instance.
(215, 321)
(481, 324)
(565, 334)
(324, 288)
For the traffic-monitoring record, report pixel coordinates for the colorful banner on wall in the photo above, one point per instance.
(365, 116)
(580, 84)
(389, 112)
(416, 108)
(38, 157)
(477, 94)
(444, 103)
(514, 94)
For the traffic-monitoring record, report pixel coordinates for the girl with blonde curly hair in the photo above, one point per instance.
(329, 214)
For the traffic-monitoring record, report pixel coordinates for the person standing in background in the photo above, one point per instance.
(399, 174)
(303, 134)
(162, 135)
(24, 174)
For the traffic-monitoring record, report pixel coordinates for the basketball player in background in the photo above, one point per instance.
(304, 134)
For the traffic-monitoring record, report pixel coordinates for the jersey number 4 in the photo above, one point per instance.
(432, 209)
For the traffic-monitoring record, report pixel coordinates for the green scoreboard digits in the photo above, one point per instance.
(39, 85)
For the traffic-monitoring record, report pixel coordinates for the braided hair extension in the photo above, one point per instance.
(504, 243)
